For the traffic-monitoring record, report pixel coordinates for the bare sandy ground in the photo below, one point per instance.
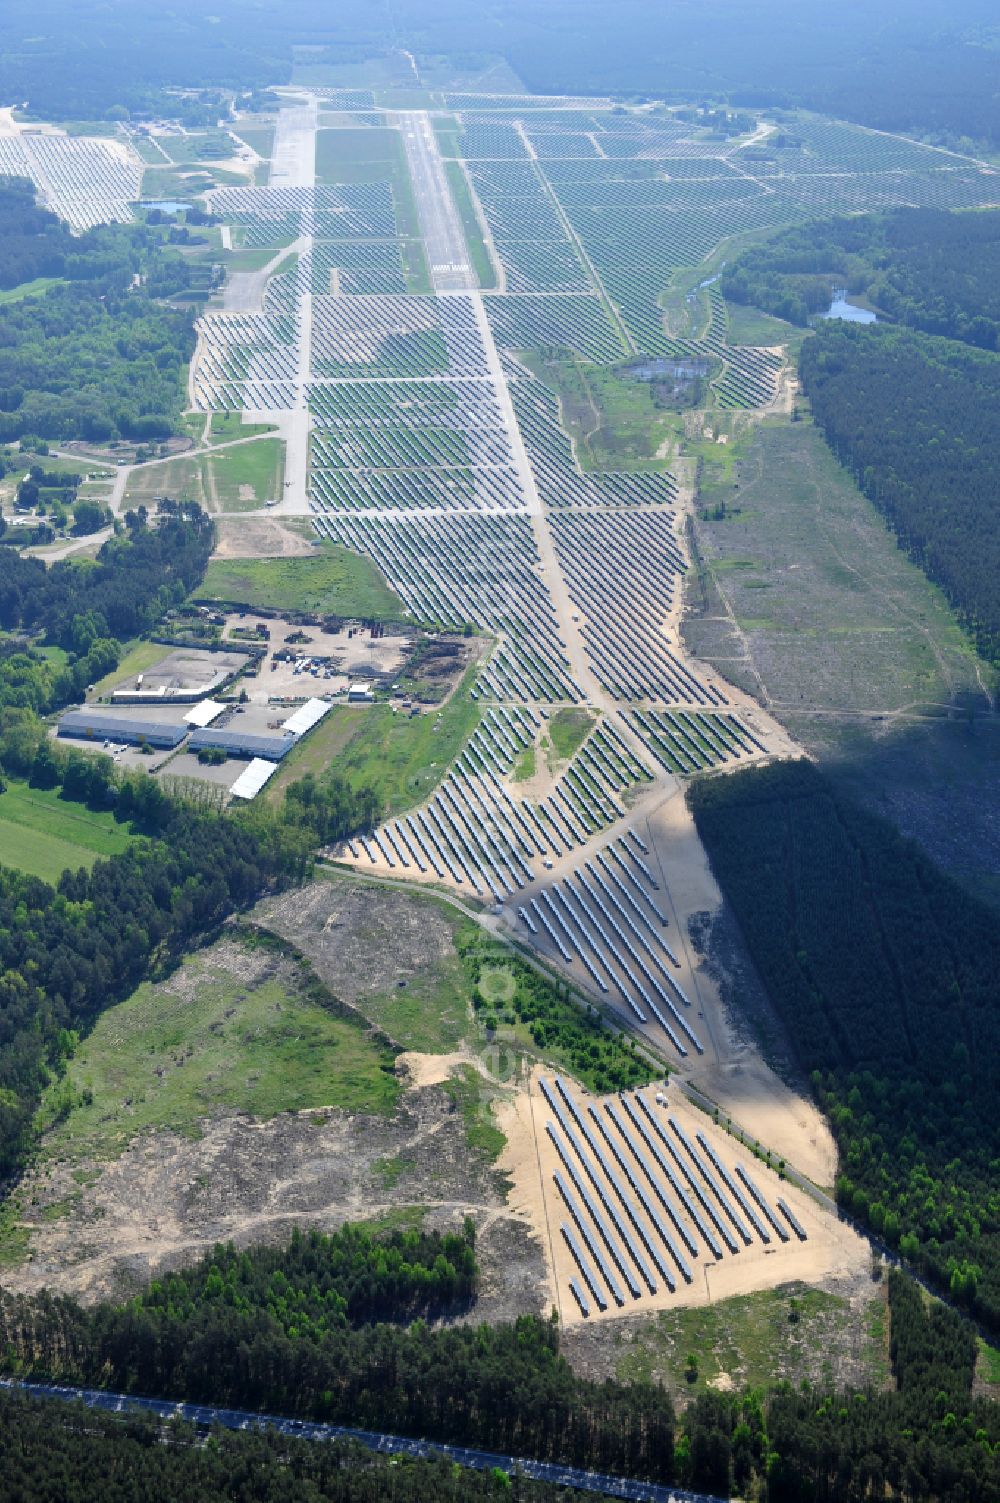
(731, 1071)
(832, 1249)
(258, 537)
(169, 1198)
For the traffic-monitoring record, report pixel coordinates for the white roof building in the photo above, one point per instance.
(252, 779)
(204, 712)
(306, 716)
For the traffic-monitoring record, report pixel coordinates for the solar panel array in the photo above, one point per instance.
(482, 833)
(641, 1203)
(86, 180)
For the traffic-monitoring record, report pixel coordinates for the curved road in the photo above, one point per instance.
(204, 1415)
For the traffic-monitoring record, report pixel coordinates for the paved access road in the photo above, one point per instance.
(205, 1415)
(444, 240)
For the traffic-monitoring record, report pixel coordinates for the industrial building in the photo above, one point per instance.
(93, 725)
(205, 712)
(252, 779)
(237, 743)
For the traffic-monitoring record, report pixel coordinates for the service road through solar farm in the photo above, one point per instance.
(422, 433)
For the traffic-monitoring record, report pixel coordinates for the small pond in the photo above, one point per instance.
(664, 369)
(841, 308)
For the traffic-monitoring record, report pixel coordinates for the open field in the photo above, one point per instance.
(328, 580)
(812, 603)
(803, 598)
(238, 478)
(751, 326)
(233, 1028)
(390, 954)
(229, 425)
(567, 731)
(833, 1336)
(29, 289)
(614, 422)
(402, 758)
(43, 834)
(260, 138)
(231, 1102)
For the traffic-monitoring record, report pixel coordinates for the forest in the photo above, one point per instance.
(317, 1283)
(884, 973)
(289, 1330)
(919, 68)
(55, 1453)
(928, 269)
(97, 355)
(501, 1388)
(914, 419)
(137, 575)
(89, 608)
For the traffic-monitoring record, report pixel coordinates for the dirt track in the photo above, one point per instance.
(168, 1199)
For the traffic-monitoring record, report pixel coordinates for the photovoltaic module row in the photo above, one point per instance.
(643, 1204)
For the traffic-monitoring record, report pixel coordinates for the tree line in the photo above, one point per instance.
(885, 974)
(914, 419)
(566, 1029)
(930, 269)
(98, 355)
(322, 1328)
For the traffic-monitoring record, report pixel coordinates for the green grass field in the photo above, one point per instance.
(223, 1032)
(29, 289)
(260, 138)
(472, 1096)
(201, 146)
(754, 1339)
(235, 479)
(524, 766)
(988, 1363)
(331, 580)
(361, 154)
(750, 326)
(403, 759)
(613, 422)
(375, 155)
(568, 730)
(43, 834)
(448, 132)
(482, 262)
(230, 425)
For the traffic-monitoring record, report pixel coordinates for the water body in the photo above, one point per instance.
(841, 308)
(662, 369)
(165, 205)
